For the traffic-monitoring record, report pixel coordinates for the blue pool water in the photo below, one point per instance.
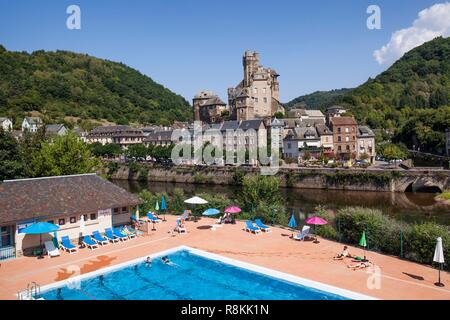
(194, 278)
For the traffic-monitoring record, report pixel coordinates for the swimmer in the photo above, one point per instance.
(148, 262)
(167, 261)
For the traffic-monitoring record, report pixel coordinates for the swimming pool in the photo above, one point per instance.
(197, 276)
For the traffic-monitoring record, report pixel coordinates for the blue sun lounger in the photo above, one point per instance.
(152, 218)
(110, 235)
(251, 228)
(91, 244)
(261, 225)
(67, 245)
(99, 238)
(119, 234)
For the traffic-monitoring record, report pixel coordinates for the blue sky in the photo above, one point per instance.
(189, 45)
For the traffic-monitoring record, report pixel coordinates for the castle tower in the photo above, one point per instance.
(250, 62)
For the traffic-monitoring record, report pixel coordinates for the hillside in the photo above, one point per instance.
(319, 99)
(66, 86)
(412, 97)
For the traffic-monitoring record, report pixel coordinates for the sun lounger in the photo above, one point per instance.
(179, 228)
(99, 238)
(119, 234)
(131, 234)
(52, 251)
(67, 245)
(261, 225)
(186, 215)
(303, 234)
(251, 228)
(88, 242)
(152, 218)
(110, 235)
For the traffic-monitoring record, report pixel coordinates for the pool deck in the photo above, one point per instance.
(275, 250)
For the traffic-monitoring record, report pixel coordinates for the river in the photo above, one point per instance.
(408, 207)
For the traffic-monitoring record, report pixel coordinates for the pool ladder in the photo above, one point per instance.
(33, 290)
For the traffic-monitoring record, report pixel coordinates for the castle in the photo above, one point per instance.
(255, 97)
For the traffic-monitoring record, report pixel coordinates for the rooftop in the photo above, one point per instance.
(46, 197)
(341, 121)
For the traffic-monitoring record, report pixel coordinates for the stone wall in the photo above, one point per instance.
(334, 179)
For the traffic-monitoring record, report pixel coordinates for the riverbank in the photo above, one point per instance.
(394, 180)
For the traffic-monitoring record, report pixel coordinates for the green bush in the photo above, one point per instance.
(383, 234)
(420, 242)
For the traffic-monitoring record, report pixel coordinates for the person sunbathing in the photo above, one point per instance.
(344, 254)
(360, 265)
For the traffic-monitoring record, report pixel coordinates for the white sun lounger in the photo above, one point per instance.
(52, 251)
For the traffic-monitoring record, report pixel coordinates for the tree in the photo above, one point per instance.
(137, 151)
(65, 155)
(12, 164)
(393, 152)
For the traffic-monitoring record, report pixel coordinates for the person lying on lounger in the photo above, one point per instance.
(344, 254)
(360, 265)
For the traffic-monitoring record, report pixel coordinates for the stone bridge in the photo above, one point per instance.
(432, 181)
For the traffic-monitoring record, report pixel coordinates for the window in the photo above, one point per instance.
(289, 145)
(116, 210)
(339, 148)
(5, 236)
(264, 90)
(347, 139)
(265, 100)
(62, 222)
(93, 216)
(73, 219)
(347, 130)
(339, 139)
(124, 209)
(339, 130)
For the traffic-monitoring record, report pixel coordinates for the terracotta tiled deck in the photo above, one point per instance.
(400, 279)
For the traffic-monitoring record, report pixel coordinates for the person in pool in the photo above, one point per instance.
(167, 261)
(148, 262)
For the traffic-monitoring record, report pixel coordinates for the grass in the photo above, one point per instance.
(445, 195)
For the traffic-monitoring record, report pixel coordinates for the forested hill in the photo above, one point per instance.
(318, 99)
(64, 85)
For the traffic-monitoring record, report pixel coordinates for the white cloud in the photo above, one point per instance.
(431, 23)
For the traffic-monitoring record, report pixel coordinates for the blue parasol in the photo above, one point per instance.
(211, 212)
(292, 223)
(163, 207)
(40, 228)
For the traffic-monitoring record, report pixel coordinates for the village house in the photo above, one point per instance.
(32, 124)
(334, 111)
(159, 138)
(366, 143)
(61, 201)
(302, 141)
(326, 139)
(122, 135)
(344, 137)
(55, 129)
(208, 107)
(6, 124)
